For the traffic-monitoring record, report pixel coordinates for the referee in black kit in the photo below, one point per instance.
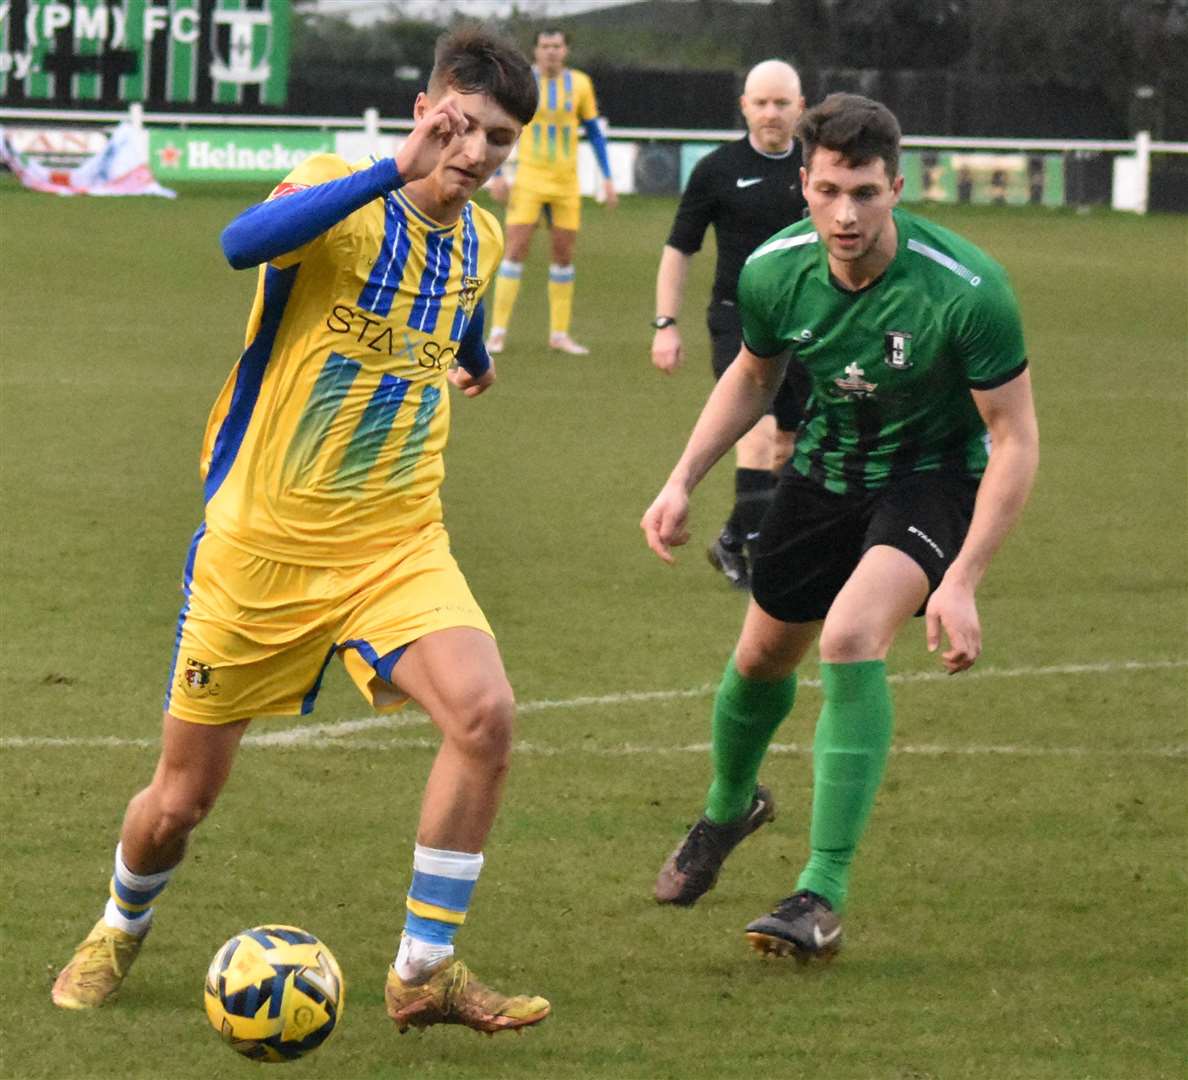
(747, 190)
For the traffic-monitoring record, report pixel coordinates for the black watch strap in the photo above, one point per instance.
(661, 321)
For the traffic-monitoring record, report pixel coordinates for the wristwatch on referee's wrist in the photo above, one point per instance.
(661, 321)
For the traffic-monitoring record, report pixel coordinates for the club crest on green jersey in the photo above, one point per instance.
(854, 387)
(896, 348)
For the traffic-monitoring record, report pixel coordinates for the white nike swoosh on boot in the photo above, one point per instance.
(821, 940)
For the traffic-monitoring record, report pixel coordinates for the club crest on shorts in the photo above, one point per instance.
(896, 348)
(198, 679)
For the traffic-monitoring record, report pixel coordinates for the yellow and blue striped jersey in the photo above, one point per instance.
(325, 445)
(549, 144)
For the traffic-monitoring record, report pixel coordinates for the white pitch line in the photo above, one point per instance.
(298, 735)
(329, 735)
(634, 749)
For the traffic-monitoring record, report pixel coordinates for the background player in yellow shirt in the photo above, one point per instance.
(547, 181)
(323, 531)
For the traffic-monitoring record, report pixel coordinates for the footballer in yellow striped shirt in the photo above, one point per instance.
(323, 533)
(546, 183)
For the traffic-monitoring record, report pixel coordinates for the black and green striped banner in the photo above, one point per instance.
(108, 52)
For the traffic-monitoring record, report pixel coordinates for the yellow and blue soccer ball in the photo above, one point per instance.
(274, 993)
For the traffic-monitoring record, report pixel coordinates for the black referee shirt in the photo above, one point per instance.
(747, 197)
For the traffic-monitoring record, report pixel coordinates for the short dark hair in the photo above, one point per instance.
(476, 61)
(854, 126)
(550, 31)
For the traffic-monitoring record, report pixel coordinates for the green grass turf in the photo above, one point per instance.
(1018, 904)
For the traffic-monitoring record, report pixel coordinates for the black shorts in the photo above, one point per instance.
(811, 540)
(725, 330)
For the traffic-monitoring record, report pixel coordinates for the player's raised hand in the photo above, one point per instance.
(436, 128)
(952, 610)
(666, 349)
(664, 521)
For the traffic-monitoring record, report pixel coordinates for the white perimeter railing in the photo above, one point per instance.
(1142, 146)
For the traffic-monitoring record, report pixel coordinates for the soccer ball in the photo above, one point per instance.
(274, 993)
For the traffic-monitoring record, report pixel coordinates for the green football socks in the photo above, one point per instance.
(746, 715)
(849, 756)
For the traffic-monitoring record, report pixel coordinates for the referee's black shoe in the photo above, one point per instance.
(728, 555)
(691, 871)
(803, 926)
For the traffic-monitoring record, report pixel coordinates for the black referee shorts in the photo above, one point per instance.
(725, 330)
(811, 540)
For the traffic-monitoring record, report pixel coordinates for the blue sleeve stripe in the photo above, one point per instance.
(278, 284)
(472, 352)
(269, 229)
(388, 270)
(469, 267)
(598, 144)
(446, 892)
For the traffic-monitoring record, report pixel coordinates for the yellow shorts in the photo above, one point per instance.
(255, 636)
(561, 211)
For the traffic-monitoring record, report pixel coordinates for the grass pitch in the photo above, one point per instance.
(1018, 903)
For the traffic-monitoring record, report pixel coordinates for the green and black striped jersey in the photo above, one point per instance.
(892, 365)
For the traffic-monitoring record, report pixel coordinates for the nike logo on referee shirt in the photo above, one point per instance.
(747, 183)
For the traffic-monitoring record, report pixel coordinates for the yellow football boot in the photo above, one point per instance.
(97, 968)
(451, 995)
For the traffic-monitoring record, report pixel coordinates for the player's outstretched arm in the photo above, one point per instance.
(742, 395)
(1009, 415)
(296, 213)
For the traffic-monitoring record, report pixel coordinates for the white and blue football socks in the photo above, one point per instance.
(436, 906)
(130, 907)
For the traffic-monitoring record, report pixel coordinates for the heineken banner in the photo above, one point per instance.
(221, 154)
(104, 53)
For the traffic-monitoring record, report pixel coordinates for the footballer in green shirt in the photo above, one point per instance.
(917, 454)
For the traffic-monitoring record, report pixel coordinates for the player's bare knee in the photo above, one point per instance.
(761, 661)
(179, 808)
(482, 729)
(850, 643)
